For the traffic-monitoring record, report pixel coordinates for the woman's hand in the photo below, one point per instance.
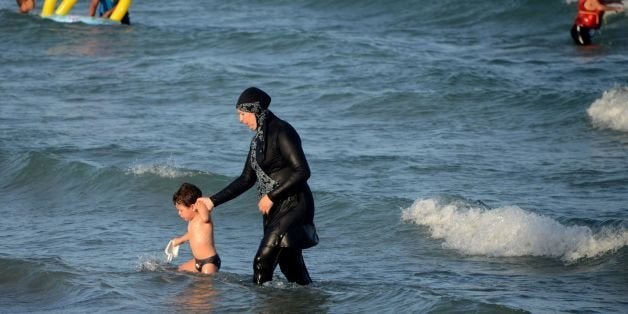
(265, 204)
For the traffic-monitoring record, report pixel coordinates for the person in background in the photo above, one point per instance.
(25, 6)
(105, 8)
(589, 19)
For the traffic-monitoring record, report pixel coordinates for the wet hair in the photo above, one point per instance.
(187, 194)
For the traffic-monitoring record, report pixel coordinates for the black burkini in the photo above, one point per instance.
(289, 225)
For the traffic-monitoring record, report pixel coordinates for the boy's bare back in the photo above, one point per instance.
(201, 237)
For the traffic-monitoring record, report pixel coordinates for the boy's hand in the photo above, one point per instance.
(205, 201)
(198, 206)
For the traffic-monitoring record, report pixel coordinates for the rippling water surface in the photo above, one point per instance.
(465, 156)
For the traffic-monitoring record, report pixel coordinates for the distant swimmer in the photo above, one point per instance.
(589, 19)
(105, 8)
(25, 6)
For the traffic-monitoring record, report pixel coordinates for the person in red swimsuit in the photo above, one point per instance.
(589, 19)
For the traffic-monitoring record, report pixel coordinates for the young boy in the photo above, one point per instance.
(200, 233)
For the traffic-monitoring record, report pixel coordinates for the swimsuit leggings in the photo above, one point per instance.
(290, 262)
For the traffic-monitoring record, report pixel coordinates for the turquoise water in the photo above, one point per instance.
(465, 156)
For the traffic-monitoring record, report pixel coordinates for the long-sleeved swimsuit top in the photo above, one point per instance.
(290, 222)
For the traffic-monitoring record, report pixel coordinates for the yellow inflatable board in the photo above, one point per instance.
(65, 7)
(121, 8)
(49, 5)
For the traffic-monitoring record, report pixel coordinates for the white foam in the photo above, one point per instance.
(510, 231)
(168, 169)
(611, 111)
(165, 171)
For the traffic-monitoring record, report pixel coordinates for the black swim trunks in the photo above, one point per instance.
(582, 35)
(199, 263)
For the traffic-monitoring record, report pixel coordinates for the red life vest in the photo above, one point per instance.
(587, 18)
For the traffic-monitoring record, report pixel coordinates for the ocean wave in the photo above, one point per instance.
(511, 231)
(611, 111)
(160, 170)
(53, 174)
(35, 274)
(47, 281)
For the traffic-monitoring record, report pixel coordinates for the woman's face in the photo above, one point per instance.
(248, 119)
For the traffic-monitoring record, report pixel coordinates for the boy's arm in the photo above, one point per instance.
(202, 210)
(182, 239)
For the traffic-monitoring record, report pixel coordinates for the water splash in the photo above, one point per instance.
(511, 231)
(149, 264)
(611, 111)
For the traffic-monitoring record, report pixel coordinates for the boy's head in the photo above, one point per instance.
(187, 194)
(184, 199)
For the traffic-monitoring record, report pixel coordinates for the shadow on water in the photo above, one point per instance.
(291, 298)
(227, 291)
(199, 295)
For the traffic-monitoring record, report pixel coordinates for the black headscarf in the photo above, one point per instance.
(255, 100)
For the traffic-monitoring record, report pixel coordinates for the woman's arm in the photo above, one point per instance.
(238, 186)
(289, 144)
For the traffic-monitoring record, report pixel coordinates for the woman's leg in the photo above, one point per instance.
(293, 267)
(265, 263)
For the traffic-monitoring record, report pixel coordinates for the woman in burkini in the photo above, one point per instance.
(589, 19)
(277, 163)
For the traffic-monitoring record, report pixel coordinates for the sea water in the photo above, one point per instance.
(465, 156)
